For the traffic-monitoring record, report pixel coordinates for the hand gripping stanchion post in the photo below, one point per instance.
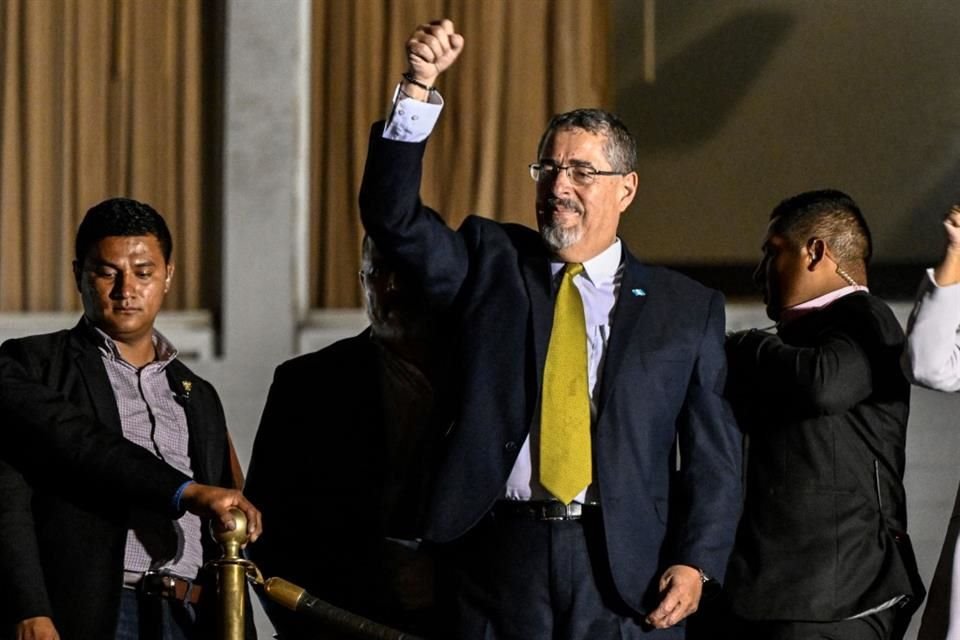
(231, 578)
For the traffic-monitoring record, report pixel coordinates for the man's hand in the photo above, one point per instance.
(432, 49)
(680, 587)
(39, 628)
(952, 225)
(215, 502)
(948, 271)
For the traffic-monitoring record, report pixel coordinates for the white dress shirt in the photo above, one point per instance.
(932, 355)
(932, 359)
(598, 285)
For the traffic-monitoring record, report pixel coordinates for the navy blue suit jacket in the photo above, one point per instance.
(662, 382)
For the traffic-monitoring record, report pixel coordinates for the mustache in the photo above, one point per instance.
(552, 203)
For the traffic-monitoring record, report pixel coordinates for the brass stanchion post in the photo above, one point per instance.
(231, 575)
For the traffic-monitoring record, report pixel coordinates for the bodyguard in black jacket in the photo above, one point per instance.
(821, 547)
(66, 553)
(63, 546)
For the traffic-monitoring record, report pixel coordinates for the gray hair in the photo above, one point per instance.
(620, 147)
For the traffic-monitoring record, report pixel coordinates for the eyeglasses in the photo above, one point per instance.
(580, 175)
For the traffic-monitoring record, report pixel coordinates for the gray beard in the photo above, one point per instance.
(558, 238)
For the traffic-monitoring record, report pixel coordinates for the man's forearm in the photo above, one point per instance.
(932, 354)
(40, 428)
(948, 271)
(21, 570)
(831, 376)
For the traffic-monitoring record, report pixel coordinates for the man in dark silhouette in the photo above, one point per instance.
(350, 429)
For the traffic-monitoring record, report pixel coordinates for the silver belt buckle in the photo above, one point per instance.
(155, 583)
(550, 512)
(555, 511)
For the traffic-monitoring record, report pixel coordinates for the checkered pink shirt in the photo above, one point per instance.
(152, 418)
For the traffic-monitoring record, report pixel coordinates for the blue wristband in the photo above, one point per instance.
(179, 494)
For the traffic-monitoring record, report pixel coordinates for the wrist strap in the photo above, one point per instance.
(409, 78)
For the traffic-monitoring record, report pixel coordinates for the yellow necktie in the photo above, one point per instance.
(565, 463)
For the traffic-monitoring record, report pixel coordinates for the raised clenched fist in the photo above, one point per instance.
(431, 49)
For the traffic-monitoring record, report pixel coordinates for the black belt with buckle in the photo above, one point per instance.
(545, 510)
(164, 585)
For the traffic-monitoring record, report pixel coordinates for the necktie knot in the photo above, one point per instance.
(572, 269)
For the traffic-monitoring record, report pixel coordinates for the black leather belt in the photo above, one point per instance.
(546, 510)
(164, 585)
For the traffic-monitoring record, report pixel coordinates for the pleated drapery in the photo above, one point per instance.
(122, 97)
(524, 61)
(104, 98)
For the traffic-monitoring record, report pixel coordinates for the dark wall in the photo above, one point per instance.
(755, 101)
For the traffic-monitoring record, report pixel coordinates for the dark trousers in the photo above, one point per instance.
(879, 626)
(153, 618)
(522, 579)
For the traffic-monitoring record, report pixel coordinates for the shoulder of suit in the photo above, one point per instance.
(676, 281)
(861, 302)
(862, 310)
(517, 234)
(38, 341)
(37, 349)
(346, 350)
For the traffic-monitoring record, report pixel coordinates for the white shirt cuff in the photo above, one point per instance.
(412, 120)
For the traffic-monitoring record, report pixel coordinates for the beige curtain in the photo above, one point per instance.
(524, 61)
(104, 98)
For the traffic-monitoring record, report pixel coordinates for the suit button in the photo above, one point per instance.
(510, 446)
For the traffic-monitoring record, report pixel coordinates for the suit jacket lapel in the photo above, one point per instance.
(631, 301)
(536, 276)
(89, 364)
(182, 387)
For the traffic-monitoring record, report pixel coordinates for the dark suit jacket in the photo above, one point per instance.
(317, 474)
(62, 545)
(825, 406)
(40, 429)
(662, 382)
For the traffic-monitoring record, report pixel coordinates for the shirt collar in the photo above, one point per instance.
(802, 309)
(165, 350)
(601, 267)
